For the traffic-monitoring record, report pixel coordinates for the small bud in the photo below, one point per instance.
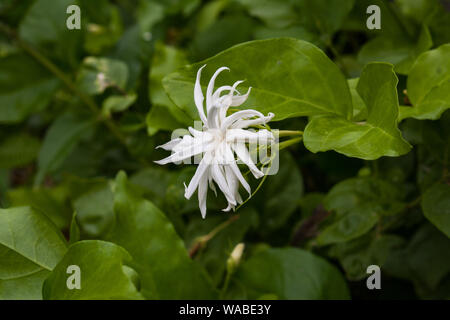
(235, 257)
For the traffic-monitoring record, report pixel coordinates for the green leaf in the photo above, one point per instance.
(166, 59)
(74, 230)
(290, 273)
(324, 16)
(356, 255)
(429, 85)
(52, 202)
(423, 261)
(117, 103)
(97, 74)
(104, 273)
(59, 141)
(18, 150)
(359, 107)
(275, 14)
(357, 204)
(153, 182)
(149, 14)
(158, 119)
(396, 49)
(288, 77)
(94, 209)
(158, 253)
(226, 31)
(22, 94)
(30, 247)
(44, 26)
(378, 135)
(436, 206)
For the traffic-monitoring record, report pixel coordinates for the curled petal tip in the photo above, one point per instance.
(160, 162)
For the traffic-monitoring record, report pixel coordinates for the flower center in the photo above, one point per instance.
(218, 135)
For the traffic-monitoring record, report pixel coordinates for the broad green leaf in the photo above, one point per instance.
(153, 182)
(378, 135)
(275, 14)
(356, 255)
(94, 209)
(104, 273)
(165, 60)
(149, 14)
(417, 9)
(433, 13)
(209, 13)
(424, 261)
(59, 141)
(97, 74)
(158, 253)
(225, 32)
(357, 204)
(117, 103)
(44, 26)
(74, 230)
(436, 206)
(290, 273)
(397, 50)
(359, 107)
(22, 94)
(52, 202)
(30, 247)
(324, 16)
(429, 85)
(288, 77)
(18, 150)
(159, 119)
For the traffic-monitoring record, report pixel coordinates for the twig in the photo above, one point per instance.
(308, 228)
(201, 241)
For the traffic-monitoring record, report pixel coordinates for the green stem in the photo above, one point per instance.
(225, 285)
(256, 190)
(287, 143)
(66, 80)
(284, 133)
(200, 242)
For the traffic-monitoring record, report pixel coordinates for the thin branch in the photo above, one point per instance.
(201, 241)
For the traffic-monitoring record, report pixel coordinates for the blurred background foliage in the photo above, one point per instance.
(78, 106)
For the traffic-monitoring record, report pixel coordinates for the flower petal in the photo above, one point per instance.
(243, 114)
(170, 145)
(219, 177)
(209, 90)
(198, 96)
(238, 100)
(244, 156)
(239, 124)
(235, 169)
(197, 178)
(262, 136)
(202, 193)
(187, 151)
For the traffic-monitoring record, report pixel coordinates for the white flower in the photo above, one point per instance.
(222, 138)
